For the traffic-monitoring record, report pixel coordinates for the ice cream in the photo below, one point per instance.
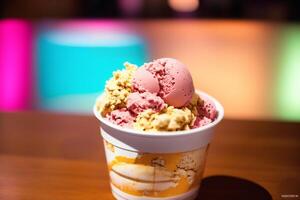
(121, 117)
(143, 80)
(172, 119)
(158, 96)
(139, 102)
(170, 79)
(117, 90)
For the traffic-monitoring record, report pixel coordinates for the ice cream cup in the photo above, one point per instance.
(156, 165)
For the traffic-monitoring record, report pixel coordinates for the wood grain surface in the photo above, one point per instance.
(56, 156)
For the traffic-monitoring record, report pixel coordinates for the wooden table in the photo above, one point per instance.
(54, 156)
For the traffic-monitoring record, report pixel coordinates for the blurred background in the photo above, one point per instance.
(55, 55)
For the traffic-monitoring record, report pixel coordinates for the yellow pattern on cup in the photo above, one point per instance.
(156, 175)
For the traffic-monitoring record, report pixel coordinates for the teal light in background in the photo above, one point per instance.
(74, 61)
(288, 81)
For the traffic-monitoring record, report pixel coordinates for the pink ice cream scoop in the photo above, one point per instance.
(201, 121)
(170, 79)
(144, 80)
(207, 113)
(138, 102)
(208, 109)
(121, 117)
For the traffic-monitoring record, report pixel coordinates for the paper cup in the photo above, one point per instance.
(156, 165)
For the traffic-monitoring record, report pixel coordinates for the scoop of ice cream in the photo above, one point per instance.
(195, 104)
(201, 121)
(138, 102)
(208, 109)
(117, 90)
(158, 96)
(175, 81)
(204, 110)
(121, 117)
(170, 119)
(144, 80)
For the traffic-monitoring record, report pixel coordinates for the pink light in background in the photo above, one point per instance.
(89, 25)
(15, 64)
(131, 7)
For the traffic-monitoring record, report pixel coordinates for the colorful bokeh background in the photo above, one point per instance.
(60, 64)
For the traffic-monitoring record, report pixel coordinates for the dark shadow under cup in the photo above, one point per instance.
(228, 187)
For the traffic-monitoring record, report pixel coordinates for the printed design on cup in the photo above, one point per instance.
(152, 174)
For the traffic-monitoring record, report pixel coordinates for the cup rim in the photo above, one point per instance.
(220, 116)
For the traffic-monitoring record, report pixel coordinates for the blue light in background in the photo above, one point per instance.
(73, 64)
